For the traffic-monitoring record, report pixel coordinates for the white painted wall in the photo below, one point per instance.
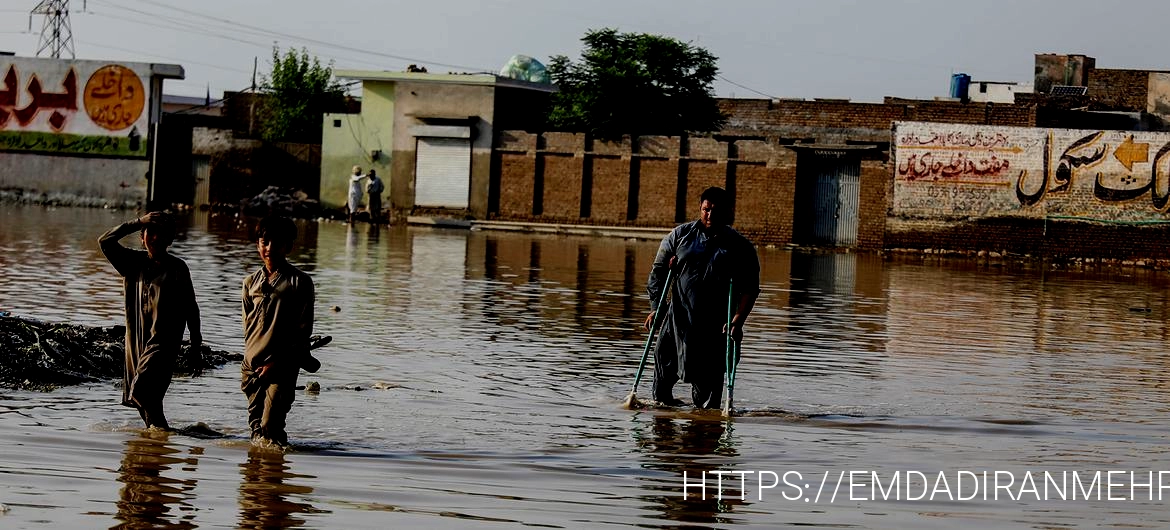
(996, 92)
(77, 131)
(954, 172)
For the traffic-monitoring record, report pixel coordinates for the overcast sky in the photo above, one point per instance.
(857, 49)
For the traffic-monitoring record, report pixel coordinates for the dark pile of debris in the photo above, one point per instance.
(37, 355)
(282, 201)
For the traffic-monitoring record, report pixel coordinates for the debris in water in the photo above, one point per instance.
(37, 355)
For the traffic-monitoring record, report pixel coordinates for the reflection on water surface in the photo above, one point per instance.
(475, 379)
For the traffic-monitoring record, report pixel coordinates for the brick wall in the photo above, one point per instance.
(610, 189)
(871, 225)
(702, 174)
(1012, 115)
(514, 164)
(767, 117)
(706, 149)
(764, 198)
(561, 197)
(516, 171)
(966, 187)
(657, 188)
(1033, 237)
(786, 118)
(644, 173)
(1126, 90)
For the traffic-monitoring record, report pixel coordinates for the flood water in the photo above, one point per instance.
(475, 381)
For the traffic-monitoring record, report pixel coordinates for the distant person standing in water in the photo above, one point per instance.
(278, 320)
(375, 188)
(160, 302)
(355, 192)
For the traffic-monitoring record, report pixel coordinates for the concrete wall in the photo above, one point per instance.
(240, 168)
(414, 101)
(83, 134)
(1158, 102)
(995, 92)
(115, 182)
(1062, 69)
(354, 139)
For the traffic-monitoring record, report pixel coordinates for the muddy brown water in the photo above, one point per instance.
(475, 381)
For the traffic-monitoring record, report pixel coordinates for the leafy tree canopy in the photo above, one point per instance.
(635, 83)
(300, 92)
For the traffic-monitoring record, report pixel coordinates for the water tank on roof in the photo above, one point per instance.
(959, 86)
(525, 68)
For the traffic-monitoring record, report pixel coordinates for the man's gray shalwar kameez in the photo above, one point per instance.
(692, 345)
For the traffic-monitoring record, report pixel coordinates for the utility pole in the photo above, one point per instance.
(56, 33)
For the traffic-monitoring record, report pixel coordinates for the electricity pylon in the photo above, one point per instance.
(56, 34)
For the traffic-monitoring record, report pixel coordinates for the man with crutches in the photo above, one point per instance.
(716, 279)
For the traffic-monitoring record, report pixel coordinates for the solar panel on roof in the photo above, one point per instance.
(1068, 90)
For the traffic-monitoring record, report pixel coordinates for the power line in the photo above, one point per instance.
(187, 27)
(177, 24)
(198, 30)
(307, 39)
(749, 89)
(140, 52)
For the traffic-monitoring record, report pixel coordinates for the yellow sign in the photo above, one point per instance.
(114, 97)
(1129, 152)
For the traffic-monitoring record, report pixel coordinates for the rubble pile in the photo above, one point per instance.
(276, 200)
(38, 355)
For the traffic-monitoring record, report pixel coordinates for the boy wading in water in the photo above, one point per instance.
(278, 320)
(160, 302)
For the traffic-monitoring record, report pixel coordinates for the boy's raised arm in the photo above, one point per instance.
(119, 256)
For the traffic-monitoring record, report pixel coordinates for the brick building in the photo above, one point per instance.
(805, 172)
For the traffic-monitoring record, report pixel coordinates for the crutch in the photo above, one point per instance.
(631, 401)
(731, 354)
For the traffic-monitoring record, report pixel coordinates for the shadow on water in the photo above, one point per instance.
(268, 494)
(150, 496)
(693, 445)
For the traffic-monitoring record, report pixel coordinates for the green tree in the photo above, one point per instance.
(299, 92)
(635, 83)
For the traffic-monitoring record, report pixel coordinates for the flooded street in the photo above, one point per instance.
(475, 381)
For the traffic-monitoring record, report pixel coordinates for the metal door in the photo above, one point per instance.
(442, 172)
(836, 198)
(201, 170)
(849, 199)
(825, 204)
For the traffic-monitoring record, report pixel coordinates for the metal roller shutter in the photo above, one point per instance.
(442, 172)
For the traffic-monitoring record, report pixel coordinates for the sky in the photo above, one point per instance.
(862, 50)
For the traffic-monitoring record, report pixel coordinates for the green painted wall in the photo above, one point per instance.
(351, 139)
